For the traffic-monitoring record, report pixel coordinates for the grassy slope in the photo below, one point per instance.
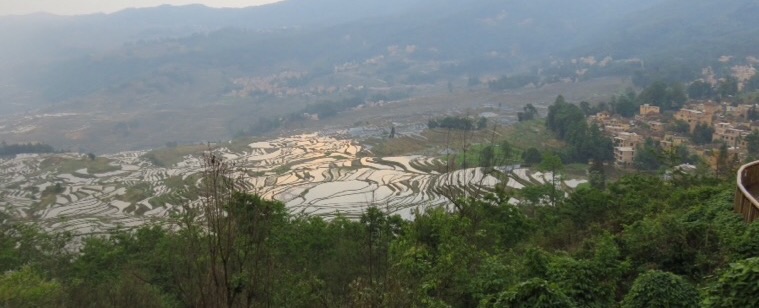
(167, 157)
(521, 135)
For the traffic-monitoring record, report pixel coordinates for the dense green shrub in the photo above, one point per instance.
(535, 293)
(661, 289)
(738, 286)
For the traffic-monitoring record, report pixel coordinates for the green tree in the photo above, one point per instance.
(723, 168)
(702, 134)
(592, 145)
(752, 145)
(513, 82)
(535, 196)
(529, 112)
(380, 230)
(26, 288)
(28, 244)
(586, 206)
(679, 126)
(655, 94)
(561, 117)
(649, 156)
(457, 123)
(586, 108)
(597, 175)
(434, 259)
(661, 289)
(728, 87)
(736, 287)
(666, 96)
(625, 105)
(482, 123)
(753, 114)
(506, 153)
(532, 293)
(24, 148)
(568, 122)
(552, 163)
(487, 156)
(585, 282)
(700, 90)
(494, 222)
(229, 253)
(676, 95)
(752, 84)
(531, 156)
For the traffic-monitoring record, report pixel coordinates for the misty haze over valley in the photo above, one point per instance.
(139, 78)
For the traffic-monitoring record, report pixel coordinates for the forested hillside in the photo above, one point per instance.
(641, 242)
(700, 31)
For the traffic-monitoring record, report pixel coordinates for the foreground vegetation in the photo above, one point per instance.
(640, 242)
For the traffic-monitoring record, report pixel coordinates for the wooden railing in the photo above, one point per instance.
(745, 202)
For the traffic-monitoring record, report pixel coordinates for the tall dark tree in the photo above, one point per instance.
(506, 151)
(676, 95)
(229, 259)
(380, 231)
(753, 113)
(625, 106)
(728, 87)
(561, 115)
(752, 84)
(666, 96)
(487, 156)
(700, 90)
(482, 123)
(529, 112)
(649, 156)
(752, 145)
(552, 163)
(722, 168)
(655, 94)
(679, 126)
(531, 156)
(586, 108)
(24, 148)
(597, 175)
(702, 134)
(568, 122)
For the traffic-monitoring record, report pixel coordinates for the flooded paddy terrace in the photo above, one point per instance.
(312, 174)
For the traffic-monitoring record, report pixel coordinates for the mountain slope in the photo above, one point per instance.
(696, 31)
(509, 33)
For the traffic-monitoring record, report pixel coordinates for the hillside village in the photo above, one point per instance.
(728, 128)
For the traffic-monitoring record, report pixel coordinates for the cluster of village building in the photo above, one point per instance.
(731, 125)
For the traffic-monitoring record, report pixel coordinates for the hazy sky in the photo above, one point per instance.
(73, 7)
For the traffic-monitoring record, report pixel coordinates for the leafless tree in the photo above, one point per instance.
(223, 260)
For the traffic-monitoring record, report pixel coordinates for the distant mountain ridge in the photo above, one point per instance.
(106, 51)
(697, 29)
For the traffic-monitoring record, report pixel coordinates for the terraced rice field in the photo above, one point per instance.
(311, 174)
